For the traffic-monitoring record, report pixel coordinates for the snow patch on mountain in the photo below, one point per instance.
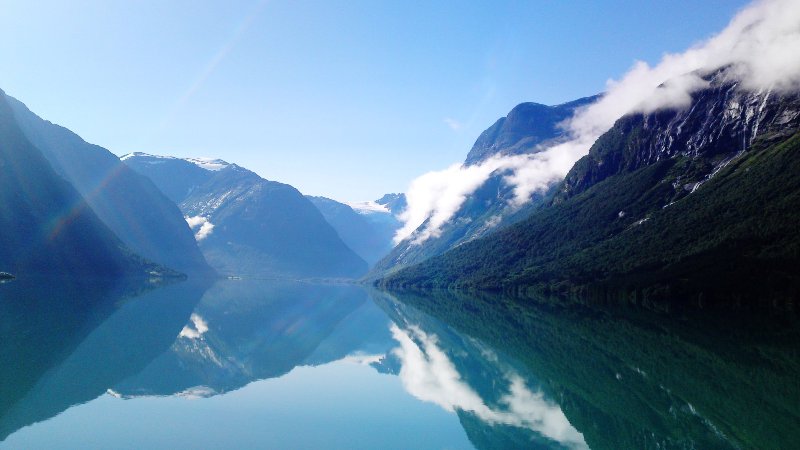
(368, 207)
(210, 164)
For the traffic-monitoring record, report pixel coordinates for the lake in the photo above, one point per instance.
(266, 364)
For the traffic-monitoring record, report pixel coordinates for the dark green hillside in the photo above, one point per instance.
(641, 219)
(737, 234)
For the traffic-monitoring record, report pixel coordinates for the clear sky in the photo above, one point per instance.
(348, 99)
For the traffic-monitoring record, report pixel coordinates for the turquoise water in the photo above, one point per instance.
(257, 364)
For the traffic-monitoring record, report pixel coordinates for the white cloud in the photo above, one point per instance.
(428, 374)
(761, 45)
(205, 227)
(454, 124)
(436, 196)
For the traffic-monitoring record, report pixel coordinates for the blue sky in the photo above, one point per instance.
(346, 99)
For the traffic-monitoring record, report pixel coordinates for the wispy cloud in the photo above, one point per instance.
(454, 124)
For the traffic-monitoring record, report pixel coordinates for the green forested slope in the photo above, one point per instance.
(634, 234)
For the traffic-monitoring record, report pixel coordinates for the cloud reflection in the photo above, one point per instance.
(196, 329)
(428, 374)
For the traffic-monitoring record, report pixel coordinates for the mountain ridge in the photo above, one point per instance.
(127, 202)
(48, 227)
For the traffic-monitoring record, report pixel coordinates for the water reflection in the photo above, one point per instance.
(428, 374)
(64, 341)
(480, 370)
(628, 378)
(492, 393)
(251, 330)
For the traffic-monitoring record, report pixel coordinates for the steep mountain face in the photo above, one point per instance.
(370, 238)
(47, 227)
(722, 123)
(700, 203)
(127, 202)
(528, 128)
(246, 225)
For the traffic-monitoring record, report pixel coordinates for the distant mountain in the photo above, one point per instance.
(128, 203)
(528, 128)
(383, 213)
(246, 225)
(395, 203)
(690, 204)
(47, 227)
(369, 232)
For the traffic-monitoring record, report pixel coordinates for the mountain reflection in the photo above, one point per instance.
(624, 378)
(489, 391)
(250, 330)
(516, 374)
(64, 341)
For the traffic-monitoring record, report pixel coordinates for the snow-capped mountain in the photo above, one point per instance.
(246, 225)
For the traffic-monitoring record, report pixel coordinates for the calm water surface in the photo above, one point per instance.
(257, 364)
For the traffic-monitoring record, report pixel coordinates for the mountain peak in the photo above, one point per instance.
(528, 128)
(394, 202)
